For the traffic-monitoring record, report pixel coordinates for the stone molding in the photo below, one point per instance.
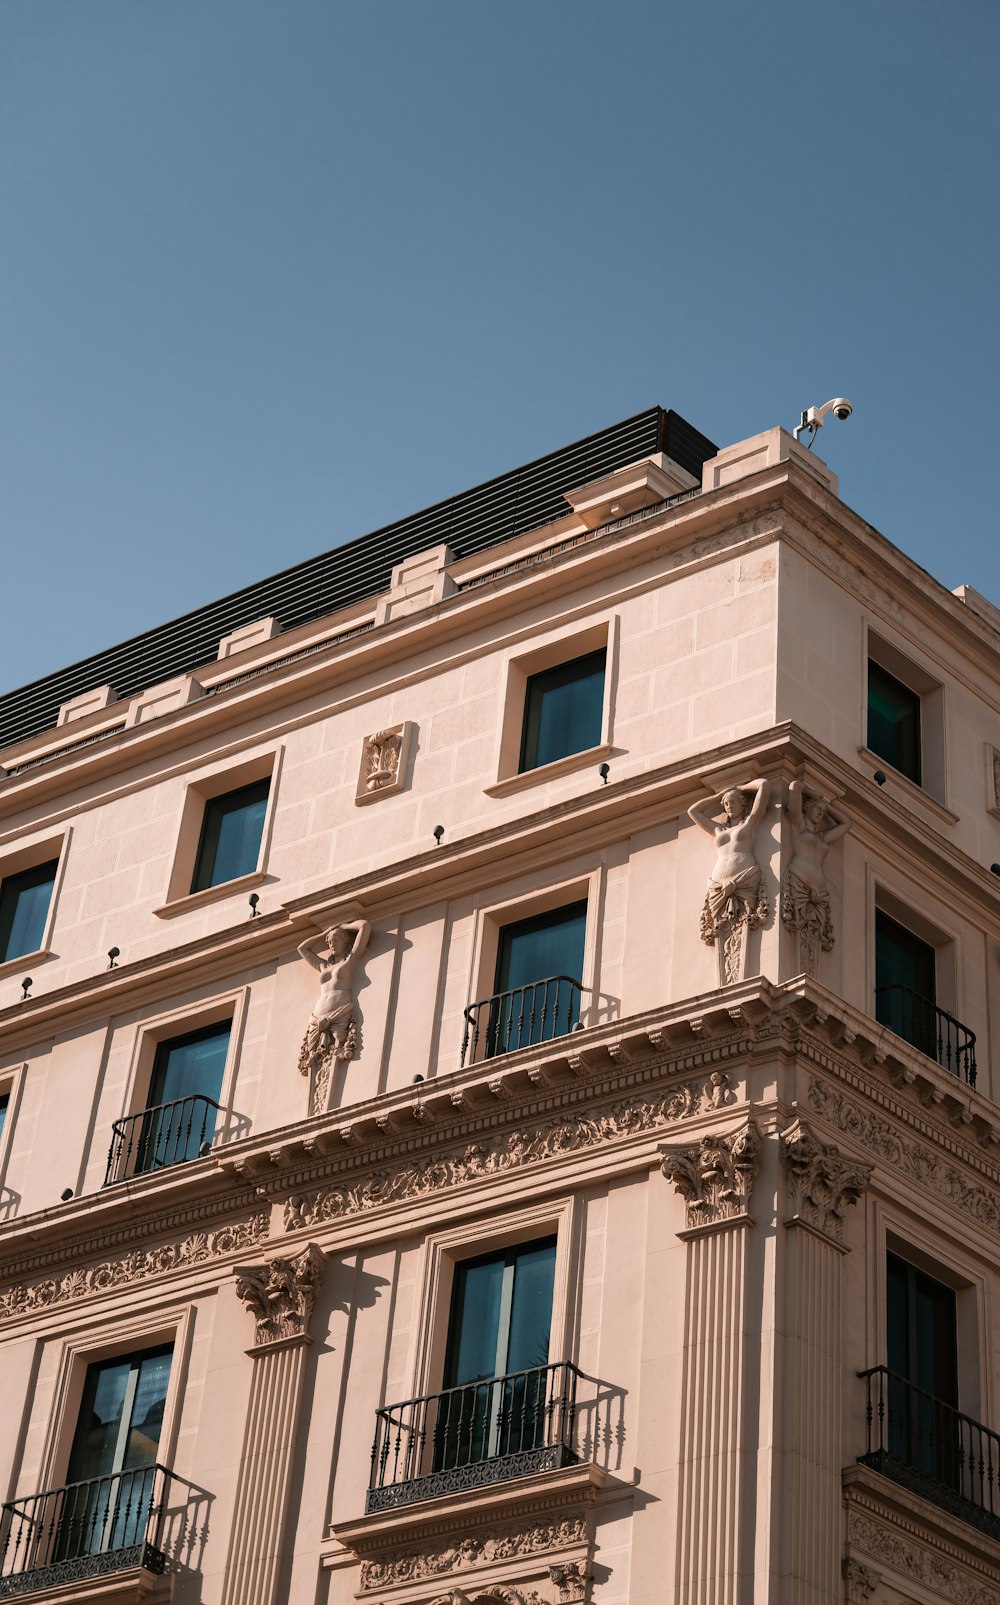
(135, 1266)
(476, 1550)
(714, 1176)
(280, 1296)
(861, 1582)
(495, 1155)
(917, 1562)
(822, 1184)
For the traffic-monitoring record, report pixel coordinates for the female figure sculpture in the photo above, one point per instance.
(805, 896)
(332, 1032)
(735, 900)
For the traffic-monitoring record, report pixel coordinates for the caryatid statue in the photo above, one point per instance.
(805, 896)
(332, 1032)
(736, 899)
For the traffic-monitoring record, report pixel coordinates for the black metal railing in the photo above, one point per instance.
(932, 1448)
(476, 1434)
(167, 1135)
(516, 1019)
(921, 1023)
(87, 1529)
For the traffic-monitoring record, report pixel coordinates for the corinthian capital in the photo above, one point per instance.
(714, 1176)
(280, 1295)
(822, 1184)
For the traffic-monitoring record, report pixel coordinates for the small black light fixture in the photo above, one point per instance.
(604, 772)
(418, 1078)
(880, 777)
(113, 953)
(995, 869)
(254, 899)
(66, 1194)
(438, 833)
(25, 988)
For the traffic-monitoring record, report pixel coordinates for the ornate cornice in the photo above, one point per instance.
(475, 1550)
(822, 1184)
(280, 1296)
(136, 1266)
(714, 1176)
(917, 1562)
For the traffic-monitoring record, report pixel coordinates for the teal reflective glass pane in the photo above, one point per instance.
(24, 909)
(4, 1106)
(905, 991)
(146, 1422)
(531, 1306)
(230, 835)
(475, 1321)
(563, 710)
(537, 992)
(179, 1123)
(107, 1502)
(893, 721)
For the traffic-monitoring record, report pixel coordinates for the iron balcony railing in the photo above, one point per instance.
(167, 1135)
(479, 1433)
(516, 1019)
(921, 1023)
(87, 1529)
(933, 1449)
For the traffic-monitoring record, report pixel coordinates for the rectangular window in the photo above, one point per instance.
(922, 1358)
(893, 721)
(537, 989)
(24, 909)
(231, 832)
(563, 710)
(905, 984)
(179, 1121)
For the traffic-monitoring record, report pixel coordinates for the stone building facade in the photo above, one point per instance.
(495, 1066)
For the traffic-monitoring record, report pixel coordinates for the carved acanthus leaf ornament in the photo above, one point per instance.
(714, 1176)
(472, 1551)
(918, 1563)
(861, 1582)
(822, 1184)
(135, 1266)
(493, 1156)
(280, 1295)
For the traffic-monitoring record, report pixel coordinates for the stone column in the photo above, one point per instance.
(714, 1177)
(822, 1184)
(280, 1297)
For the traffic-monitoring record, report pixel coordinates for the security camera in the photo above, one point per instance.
(841, 408)
(812, 418)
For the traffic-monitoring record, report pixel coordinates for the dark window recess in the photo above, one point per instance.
(230, 835)
(179, 1122)
(24, 908)
(4, 1106)
(563, 710)
(922, 1354)
(893, 721)
(905, 991)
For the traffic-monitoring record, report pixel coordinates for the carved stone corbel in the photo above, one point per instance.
(715, 1175)
(861, 1582)
(822, 1184)
(280, 1296)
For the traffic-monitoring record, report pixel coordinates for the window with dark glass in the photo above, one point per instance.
(231, 832)
(184, 1089)
(905, 984)
(496, 1361)
(563, 710)
(537, 991)
(24, 909)
(893, 721)
(4, 1106)
(922, 1358)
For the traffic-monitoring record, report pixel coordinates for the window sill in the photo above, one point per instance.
(909, 788)
(211, 894)
(549, 771)
(24, 960)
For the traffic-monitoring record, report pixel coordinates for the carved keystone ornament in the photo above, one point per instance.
(715, 1175)
(822, 1184)
(280, 1296)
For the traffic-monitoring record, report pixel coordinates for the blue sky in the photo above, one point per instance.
(278, 271)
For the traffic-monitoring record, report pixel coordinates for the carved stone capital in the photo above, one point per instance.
(822, 1184)
(715, 1175)
(570, 1578)
(861, 1582)
(280, 1295)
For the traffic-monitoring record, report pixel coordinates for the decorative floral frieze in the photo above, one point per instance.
(135, 1266)
(714, 1176)
(822, 1184)
(492, 1156)
(280, 1295)
(917, 1563)
(931, 1170)
(861, 1582)
(473, 1551)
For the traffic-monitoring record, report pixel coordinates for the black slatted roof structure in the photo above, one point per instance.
(470, 522)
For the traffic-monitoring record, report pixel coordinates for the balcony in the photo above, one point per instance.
(484, 1433)
(930, 1029)
(932, 1449)
(154, 1138)
(521, 1018)
(98, 1528)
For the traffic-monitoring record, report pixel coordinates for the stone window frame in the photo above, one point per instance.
(199, 789)
(520, 663)
(42, 849)
(927, 683)
(12, 1083)
(91, 1340)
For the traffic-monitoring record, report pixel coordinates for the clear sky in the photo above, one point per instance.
(275, 272)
